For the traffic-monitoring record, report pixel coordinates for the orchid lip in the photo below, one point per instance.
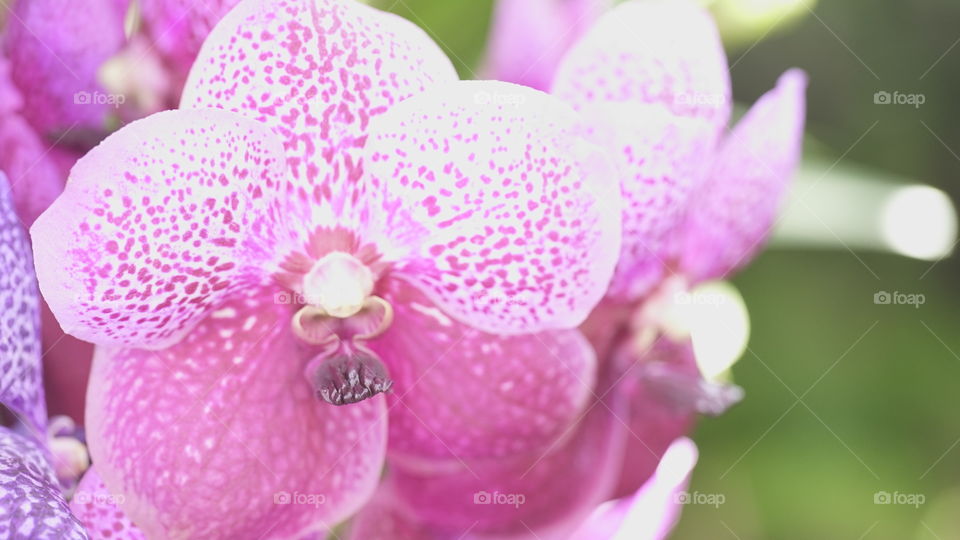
(350, 375)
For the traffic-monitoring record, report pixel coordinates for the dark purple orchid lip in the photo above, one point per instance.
(352, 374)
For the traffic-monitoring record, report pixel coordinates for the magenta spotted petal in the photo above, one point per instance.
(220, 435)
(548, 493)
(159, 224)
(650, 79)
(509, 219)
(31, 505)
(529, 37)
(318, 72)
(462, 394)
(730, 217)
(21, 382)
(56, 70)
(97, 509)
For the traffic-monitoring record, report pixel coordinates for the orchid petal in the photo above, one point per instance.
(34, 177)
(559, 488)
(21, 383)
(179, 27)
(529, 37)
(732, 214)
(655, 420)
(159, 224)
(55, 60)
(222, 434)
(492, 206)
(317, 71)
(97, 509)
(459, 393)
(31, 505)
(652, 512)
(650, 79)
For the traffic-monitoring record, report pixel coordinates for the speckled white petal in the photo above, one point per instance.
(317, 71)
(651, 82)
(489, 201)
(160, 223)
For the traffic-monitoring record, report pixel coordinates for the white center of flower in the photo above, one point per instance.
(339, 284)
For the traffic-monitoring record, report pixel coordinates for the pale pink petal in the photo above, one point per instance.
(651, 512)
(318, 71)
(650, 80)
(21, 384)
(178, 27)
(34, 177)
(159, 224)
(222, 436)
(730, 217)
(529, 37)
(459, 393)
(548, 493)
(97, 509)
(493, 206)
(55, 60)
(31, 505)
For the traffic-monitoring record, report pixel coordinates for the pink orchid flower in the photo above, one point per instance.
(31, 502)
(651, 82)
(528, 38)
(355, 219)
(52, 108)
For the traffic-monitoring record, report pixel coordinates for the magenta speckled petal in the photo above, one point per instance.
(529, 37)
(21, 383)
(55, 60)
(651, 512)
(178, 27)
(493, 206)
(222, 435)
(383, 519)
(318, 71)
(731, 215)
(159, 224)
(97, 509)
(559, 489)
(459, 393)
(651, 81)
(31, 505)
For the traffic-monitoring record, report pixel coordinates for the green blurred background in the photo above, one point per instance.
(845, 398)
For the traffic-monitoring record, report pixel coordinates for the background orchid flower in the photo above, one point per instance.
(233, 269)
(31, 502)
(529, 37)
(651, 82)
(58, 93)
